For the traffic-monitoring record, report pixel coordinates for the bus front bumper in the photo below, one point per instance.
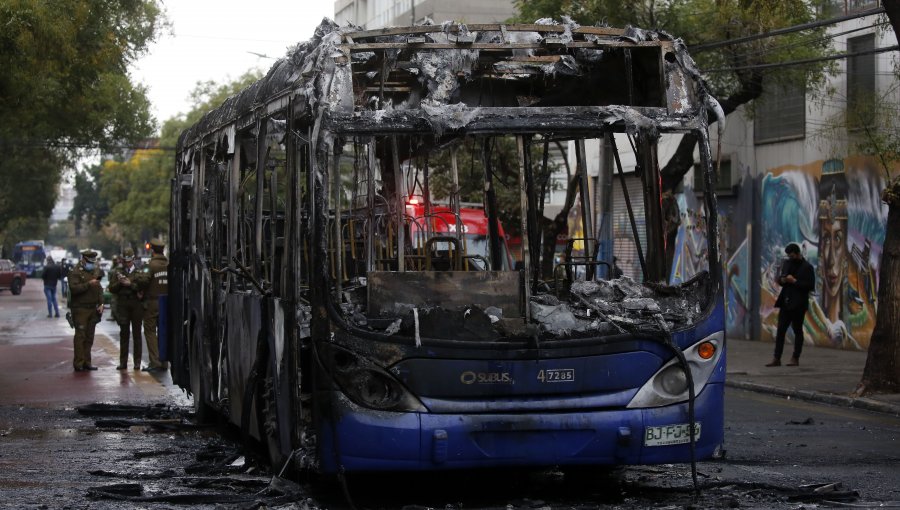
(365, 440)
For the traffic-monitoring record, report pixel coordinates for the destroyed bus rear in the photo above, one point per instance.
(310, 305)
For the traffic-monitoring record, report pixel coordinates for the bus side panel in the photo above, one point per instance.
(357, 439)
(244, 322)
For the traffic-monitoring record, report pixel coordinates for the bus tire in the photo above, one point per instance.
(16, 287)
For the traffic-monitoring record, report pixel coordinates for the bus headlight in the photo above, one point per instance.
(364, 382)
(673, 380)
(669, 384)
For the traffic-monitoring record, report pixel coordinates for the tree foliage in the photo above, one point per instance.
(65, 85)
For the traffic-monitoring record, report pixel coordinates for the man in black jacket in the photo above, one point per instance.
(797, 279)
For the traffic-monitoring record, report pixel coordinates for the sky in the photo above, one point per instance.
(213, 40)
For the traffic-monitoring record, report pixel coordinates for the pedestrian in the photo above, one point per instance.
(51, 275)
(87, 307)
(797, 279)
(154, 282)
(128, 307)
(617, 271)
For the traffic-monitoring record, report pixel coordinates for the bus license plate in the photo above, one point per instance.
(671, 434)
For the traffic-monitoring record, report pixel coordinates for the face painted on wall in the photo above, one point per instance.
(833, 254)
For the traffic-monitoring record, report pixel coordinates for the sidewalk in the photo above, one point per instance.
(824, 375)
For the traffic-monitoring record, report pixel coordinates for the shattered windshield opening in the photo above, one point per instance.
(455, 238)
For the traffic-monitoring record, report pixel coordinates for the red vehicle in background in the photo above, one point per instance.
(11, 277)
(473, 245)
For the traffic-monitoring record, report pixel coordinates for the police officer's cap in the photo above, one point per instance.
(89, 256)
(128, 254)
(157, 243)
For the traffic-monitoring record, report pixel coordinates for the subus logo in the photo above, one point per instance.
(470, 377)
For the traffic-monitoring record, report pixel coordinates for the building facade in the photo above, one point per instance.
(372, 14)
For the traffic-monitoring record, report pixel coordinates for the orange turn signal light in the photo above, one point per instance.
(706, 350)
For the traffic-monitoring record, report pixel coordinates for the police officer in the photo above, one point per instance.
(154, 282)
(128, 307)
(87, 307)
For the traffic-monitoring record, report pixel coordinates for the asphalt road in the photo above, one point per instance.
(153, 456)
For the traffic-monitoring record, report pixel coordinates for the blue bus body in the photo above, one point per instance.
(348, 330)
(530, 423)
(29, 256)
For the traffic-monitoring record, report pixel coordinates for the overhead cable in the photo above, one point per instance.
(787, 30)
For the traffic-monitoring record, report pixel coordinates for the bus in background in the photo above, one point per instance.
(315, 306)
(29, 256)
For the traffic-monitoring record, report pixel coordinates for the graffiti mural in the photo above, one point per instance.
(832, 209)
(690, 242)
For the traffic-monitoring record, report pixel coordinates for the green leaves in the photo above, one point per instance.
(65, 85)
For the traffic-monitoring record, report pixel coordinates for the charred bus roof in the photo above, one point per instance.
(476, 78)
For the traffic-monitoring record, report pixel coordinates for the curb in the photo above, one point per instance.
(867, 404)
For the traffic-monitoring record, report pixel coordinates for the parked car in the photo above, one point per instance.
(11, 277)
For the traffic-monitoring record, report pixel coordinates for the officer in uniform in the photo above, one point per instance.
(87, 307)
(154, 282)
(128, 307)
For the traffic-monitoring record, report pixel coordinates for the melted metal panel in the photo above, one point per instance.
(391, 292)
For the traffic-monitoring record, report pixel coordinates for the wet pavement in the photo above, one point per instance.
(36, 361)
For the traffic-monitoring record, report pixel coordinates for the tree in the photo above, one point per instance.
(90, 208)
(65, 85)
(882, 138)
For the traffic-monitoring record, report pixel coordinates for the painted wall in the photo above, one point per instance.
(832, 209)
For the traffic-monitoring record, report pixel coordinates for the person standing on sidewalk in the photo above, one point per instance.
(797, 279)
(51, 275)
(87, 307)
(154, 282)
(129, 309)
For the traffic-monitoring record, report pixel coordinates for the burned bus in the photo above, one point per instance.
(324, 297)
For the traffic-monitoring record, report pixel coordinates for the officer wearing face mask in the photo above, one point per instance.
(87, 307)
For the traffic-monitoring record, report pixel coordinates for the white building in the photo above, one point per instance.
(372, 14)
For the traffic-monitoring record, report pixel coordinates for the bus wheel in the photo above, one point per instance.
(16, 287)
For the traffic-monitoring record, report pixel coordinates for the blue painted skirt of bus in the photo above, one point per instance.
(366, 440)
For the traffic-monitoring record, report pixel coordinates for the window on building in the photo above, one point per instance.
(860, 80)
(780, 113)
